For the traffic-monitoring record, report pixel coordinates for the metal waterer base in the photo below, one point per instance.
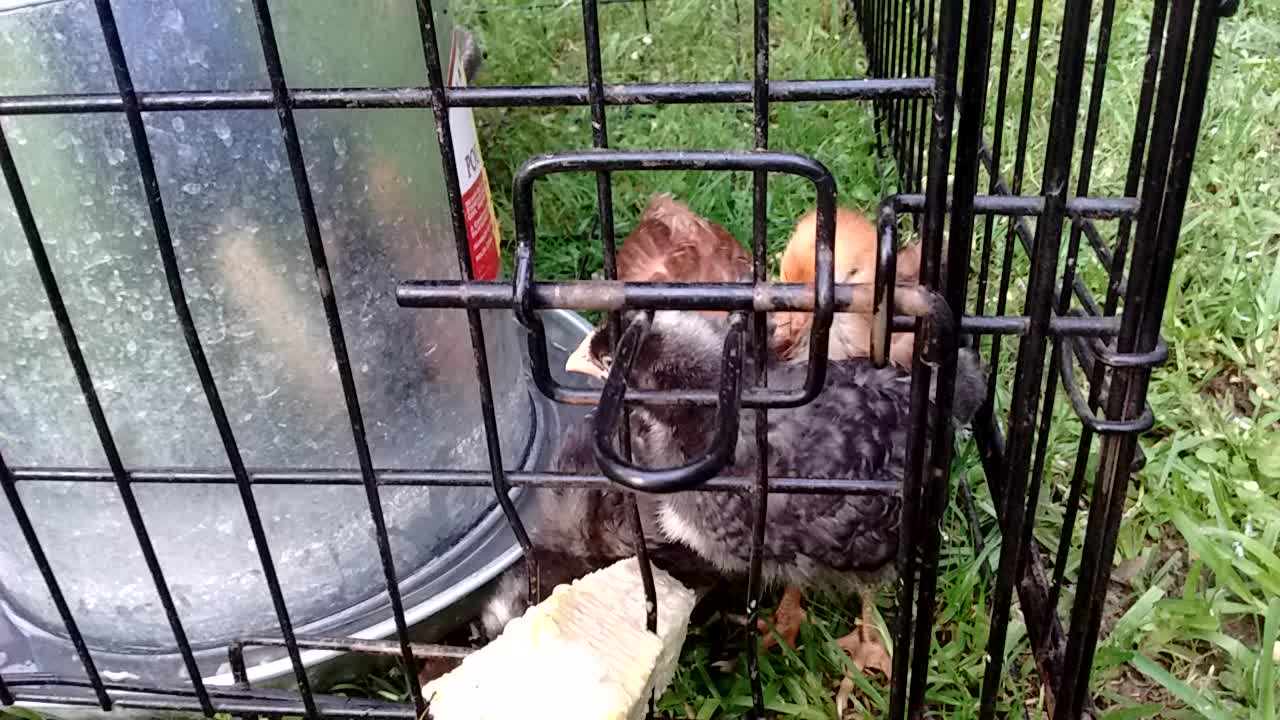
(450, 594)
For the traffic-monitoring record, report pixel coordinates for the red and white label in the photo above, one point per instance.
(482, 222)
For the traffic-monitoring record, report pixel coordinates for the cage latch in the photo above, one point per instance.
(886, 279)
(613, 399)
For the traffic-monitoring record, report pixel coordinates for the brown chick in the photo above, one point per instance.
(855, 262)
(671, 243)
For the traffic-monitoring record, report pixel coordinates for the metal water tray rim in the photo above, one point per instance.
(446, 583)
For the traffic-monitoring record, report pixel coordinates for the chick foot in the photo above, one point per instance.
(865, 647)
(787, 620)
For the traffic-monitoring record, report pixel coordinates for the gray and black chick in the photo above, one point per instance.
(576, 531)
(856, 429)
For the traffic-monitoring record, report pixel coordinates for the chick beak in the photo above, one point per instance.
(580, 361)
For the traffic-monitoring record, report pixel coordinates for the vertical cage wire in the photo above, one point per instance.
(919, 48)
(55, 592)
(952, 280)
(311, 227)
(915, 494)
(888, 11)
(1031, 349)
(997, 145)
(1116, 261)
(160, 224)
(897, 31)
(110, 451)
(1019, 166)
(1154, 247)
(947, 276)
(41, 259)
(760, 265)
(1031, 560)
(604, 202)
(457, 214)
(1064, 299)
(868, 15)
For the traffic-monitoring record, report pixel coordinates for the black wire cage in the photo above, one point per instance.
(930, 83)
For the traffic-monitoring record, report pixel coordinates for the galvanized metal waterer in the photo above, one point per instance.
(225, 180)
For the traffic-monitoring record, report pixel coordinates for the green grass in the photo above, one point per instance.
(1191, 622)
(688, 42)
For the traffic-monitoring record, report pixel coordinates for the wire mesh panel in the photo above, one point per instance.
(994, 265)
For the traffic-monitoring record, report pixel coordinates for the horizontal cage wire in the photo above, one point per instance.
(942, 117)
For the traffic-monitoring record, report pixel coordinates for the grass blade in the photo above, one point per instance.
(1267, 661)
(1189, 696)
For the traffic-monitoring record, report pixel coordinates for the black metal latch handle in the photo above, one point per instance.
(886, 279)
(612, 401)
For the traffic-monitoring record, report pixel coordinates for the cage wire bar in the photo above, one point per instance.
(929, 105)
(759, 274)
(311, 226)
(604, 199)
(1117, 260)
